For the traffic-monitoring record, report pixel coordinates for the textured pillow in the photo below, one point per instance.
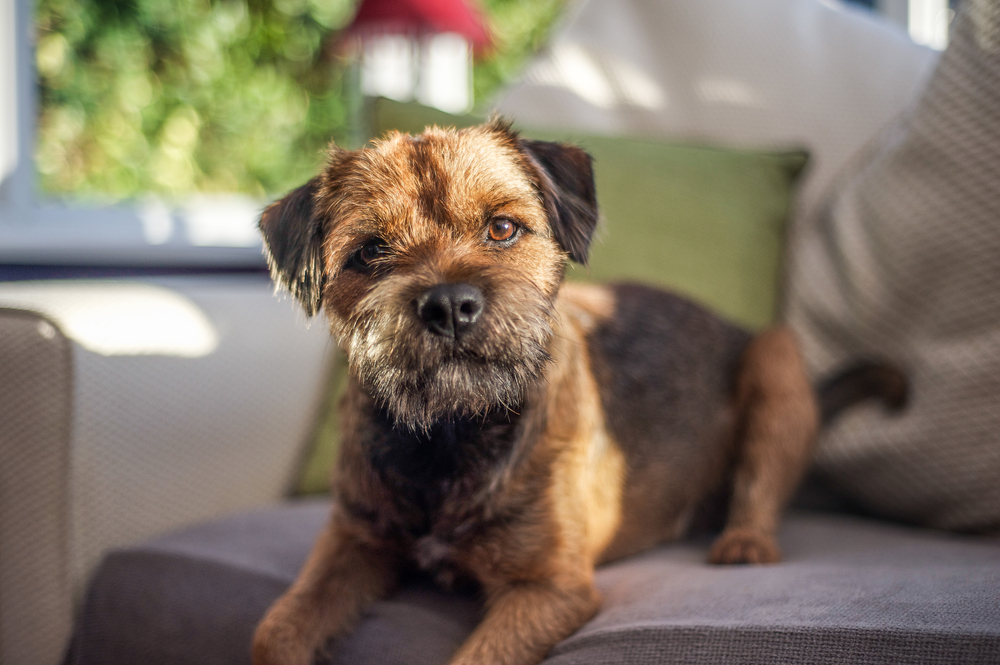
(706, 222)
(904, 262)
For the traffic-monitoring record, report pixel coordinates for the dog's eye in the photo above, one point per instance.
(502, 230)
(369, 253)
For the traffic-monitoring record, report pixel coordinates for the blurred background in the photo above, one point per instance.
(243, 95)
(151, 380)
(151, 132)
(174, 97)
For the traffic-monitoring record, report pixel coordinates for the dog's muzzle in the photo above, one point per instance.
(451, 310)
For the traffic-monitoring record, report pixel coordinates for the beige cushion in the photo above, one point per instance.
(904, 262)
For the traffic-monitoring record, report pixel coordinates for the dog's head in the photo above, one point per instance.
(437, 259)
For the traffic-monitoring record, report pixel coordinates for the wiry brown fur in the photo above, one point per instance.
(415, 375)
(565, 426)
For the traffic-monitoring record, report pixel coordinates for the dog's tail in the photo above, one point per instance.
(864, 380)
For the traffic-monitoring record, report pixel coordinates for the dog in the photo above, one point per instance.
(505, 429)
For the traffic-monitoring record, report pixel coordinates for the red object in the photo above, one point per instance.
(421, 17)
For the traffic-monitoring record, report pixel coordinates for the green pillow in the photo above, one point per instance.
(705, 222)
(412, 118)
(321, 451)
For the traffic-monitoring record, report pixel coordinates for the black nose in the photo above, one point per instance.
(450, 310)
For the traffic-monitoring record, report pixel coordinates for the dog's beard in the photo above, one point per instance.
(421, 378)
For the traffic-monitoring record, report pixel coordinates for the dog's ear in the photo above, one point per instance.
(293, 241)
(566, 181)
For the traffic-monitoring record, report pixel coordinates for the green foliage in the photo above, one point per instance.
(177, 96)
(518, 28)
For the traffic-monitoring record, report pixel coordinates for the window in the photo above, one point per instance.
(170, 219)
(926, 21)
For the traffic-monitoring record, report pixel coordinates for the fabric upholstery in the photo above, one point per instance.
(904, 263)
(36, 374)
(128, 407)
(850, 590)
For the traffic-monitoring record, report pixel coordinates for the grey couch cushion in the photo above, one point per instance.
(850, 590)
(195, 596)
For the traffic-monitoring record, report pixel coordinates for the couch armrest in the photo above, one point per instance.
(131, 407)
(35, 412)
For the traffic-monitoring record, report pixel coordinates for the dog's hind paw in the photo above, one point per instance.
(744, 546)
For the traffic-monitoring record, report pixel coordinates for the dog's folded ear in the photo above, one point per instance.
(566, 181)
(293, 241)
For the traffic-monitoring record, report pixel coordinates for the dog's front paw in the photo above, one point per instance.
(277, 641)
(744, 546)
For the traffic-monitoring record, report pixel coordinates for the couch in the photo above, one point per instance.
(146, 513)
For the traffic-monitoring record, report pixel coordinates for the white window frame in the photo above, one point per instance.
(38, 230)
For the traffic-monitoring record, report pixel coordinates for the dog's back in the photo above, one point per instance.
(665, 370)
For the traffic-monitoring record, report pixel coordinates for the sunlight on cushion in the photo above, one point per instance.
(119, 318)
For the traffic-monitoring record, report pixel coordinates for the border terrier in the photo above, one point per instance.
(501, 427)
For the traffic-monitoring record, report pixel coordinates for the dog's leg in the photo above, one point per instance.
(345, 572)
(779, 422)
(525, 619)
